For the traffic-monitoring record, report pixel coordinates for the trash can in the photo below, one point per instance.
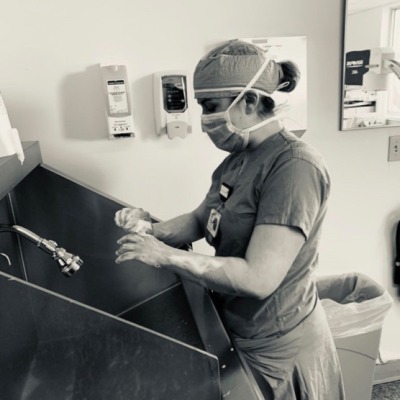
(355, 307)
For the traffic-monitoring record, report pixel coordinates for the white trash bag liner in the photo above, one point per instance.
(354, 304)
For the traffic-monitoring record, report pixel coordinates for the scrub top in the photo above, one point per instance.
(284, 182)
(285, 338)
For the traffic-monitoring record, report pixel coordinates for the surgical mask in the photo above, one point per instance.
(223, 133)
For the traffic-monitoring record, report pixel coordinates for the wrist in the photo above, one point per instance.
(143, 226)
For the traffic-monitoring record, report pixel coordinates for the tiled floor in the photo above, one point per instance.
(386, 391)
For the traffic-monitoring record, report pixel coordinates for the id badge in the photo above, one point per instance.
(213, 222)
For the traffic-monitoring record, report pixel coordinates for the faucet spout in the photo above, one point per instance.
(67, 262)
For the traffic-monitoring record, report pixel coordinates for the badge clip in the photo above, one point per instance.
(225, 191)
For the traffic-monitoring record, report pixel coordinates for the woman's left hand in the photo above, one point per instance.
(142, 247)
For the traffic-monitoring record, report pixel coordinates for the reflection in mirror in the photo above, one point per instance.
(371, 76)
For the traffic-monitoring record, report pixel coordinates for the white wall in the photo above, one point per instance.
(49, 50)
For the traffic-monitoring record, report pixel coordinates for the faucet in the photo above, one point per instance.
(67, 262)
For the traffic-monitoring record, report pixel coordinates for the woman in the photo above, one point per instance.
(263, 214)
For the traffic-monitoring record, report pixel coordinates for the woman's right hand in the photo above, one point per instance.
(134, 220)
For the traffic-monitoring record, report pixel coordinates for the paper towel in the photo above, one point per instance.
(10, 142)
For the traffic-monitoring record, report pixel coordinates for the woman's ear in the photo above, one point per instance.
(252, 99)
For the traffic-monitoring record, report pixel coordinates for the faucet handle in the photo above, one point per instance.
(68, 263)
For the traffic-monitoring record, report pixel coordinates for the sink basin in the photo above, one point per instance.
(56, 348)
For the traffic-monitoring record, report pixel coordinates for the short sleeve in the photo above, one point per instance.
(215, 181)
(292, 194)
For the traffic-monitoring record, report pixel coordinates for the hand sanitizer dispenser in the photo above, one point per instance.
(171, 104)
(118, 103)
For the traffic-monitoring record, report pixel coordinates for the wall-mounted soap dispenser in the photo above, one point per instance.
(171, 105)
(118, 103)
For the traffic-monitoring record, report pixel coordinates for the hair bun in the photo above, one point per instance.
(291, 74)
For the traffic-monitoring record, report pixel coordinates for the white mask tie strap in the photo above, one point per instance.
(262, 123)
(253, 80)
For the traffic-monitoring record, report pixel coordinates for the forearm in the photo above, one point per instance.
(179, 230)
(269, 256)
(229, 275)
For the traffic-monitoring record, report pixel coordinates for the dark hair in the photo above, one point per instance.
(267, 105)
(290, 74)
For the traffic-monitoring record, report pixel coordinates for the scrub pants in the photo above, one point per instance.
(300, 365)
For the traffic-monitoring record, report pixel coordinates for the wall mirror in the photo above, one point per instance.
(371, 70)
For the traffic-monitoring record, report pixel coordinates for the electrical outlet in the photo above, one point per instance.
(394, 148)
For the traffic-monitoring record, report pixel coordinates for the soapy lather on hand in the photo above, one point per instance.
(135, 220)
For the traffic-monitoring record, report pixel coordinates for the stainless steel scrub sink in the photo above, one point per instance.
(56, 348)
(108, 331)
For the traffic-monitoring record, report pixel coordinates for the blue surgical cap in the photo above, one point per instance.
(226, 71)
